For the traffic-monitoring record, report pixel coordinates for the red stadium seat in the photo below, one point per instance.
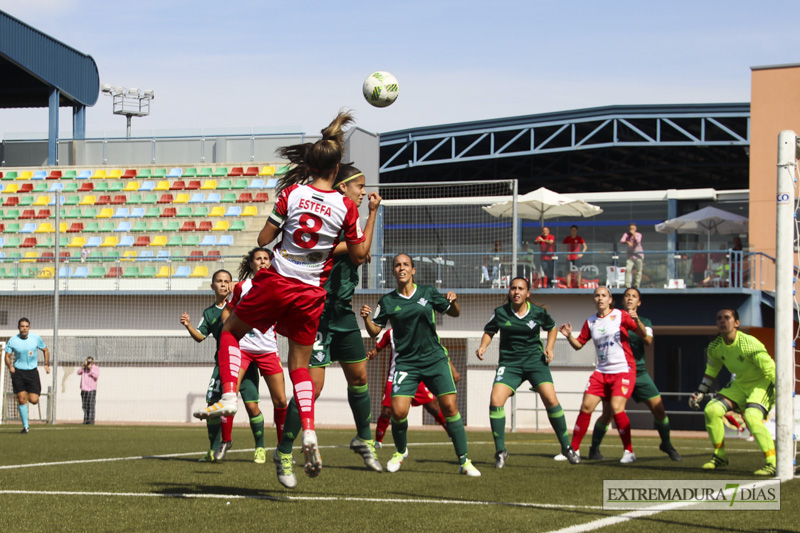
(43, 213)
(165, 199)
(261, 197)
(177, 185)
(213, 255)
(236, 172)
(63, 256)
(119, 199)
(46, 257)
(26, 187)
(11, 200)
(130, 173)
(169, 212)
(29, 242)
(54, 175)
(86, 186)
(196, 255)
(245, 198)
(205, 225)
(193, 185)
(75, 227)
(143, 240)
(251, 171)
(189, 225)
(103, 200)
(114, 272)
(2, 228)
(27, 214)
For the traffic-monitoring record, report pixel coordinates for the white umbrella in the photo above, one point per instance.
(708, 220)
(543, 204)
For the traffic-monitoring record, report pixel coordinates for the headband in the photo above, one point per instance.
(354, 176)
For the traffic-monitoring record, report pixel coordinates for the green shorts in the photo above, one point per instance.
(513, 376)
(762, 393)
(338, 339)
(645, 389)
(248, 389)
(437, 376)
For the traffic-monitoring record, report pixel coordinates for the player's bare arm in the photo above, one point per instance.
(186, 321)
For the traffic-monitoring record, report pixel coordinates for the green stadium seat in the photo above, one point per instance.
(282, 170)
(131, 272)
(11, 214)
(152, 212)
(134, 199)
(224, 185)
(192, 240)
(73, 200)
(98, 272)
(40, 188)
(101, 187)
(185, 211)
(220, 172)
(90, 212)
(172, 225)
(175, 240)
(205, 172)
(201, 211)
(46, 242)
(140, 226)
(69, 175)
(150, 199)
(12, 175)
(112, 255)
(12, 228)
(156, 225)
(26, 201)
(75, 212)
(148, 272)
(229, 198)
(116, 186)
(238, 225)
(70, 187)
(239, 184)
(190, 172)
(160, 173)
(144, 173)
(95, 256)
(108, 227)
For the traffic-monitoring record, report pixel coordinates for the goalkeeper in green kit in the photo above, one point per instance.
(752, 393)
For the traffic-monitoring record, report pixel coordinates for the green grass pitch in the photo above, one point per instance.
(121, 478)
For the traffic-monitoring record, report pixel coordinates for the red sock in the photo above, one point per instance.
(729, 418)
(439, 417)
(380, 431)
(227, 428)
(624, 428)
(279, 414)
(581, 427)
(230, 357)
(304, 396)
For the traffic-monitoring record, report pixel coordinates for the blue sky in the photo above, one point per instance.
(289, 66)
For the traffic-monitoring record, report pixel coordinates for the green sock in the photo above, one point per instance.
(755, 423)
(257, 427)
(497, 420)
(559, 423)
(400, 434)
(662, 426)
(291, 428)
(358, 398)
(455, 427)
(214, 428)
(598, 434)
(714, 412)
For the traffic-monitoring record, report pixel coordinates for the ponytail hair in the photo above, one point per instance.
(245, 270)
(314, 159)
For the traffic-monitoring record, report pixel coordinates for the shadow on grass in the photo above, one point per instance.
(190, 491)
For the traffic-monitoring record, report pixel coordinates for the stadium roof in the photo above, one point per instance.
(604, 149)
(33, 63)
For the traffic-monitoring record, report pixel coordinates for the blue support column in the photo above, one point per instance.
(52, 134)
(79, 122)
(672, 238)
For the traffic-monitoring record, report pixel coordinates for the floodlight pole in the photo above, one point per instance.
(784, 305)
(129, 103)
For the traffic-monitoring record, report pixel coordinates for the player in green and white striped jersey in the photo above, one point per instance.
(411, 309)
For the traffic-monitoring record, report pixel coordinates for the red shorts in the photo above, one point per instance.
(293, 307)
(268, 364)
(608, 385)
(422, 397)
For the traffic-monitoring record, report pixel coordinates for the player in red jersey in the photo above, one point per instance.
(423, 396)
(261, 349)
(615, 376)
(309, 216)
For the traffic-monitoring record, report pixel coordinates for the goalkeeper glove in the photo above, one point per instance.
(697, 397)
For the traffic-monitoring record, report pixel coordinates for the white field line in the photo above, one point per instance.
(633, 515)
(297, 498)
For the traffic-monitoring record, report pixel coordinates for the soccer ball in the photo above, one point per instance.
(380, 89)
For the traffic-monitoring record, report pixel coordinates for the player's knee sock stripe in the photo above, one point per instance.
(358, 389)
(235, 361)
(456, 417)
(624, 429)
(304, 396)
(228, 346)
(559, 424)
(497, 412)
(497, 421)
(662, 426)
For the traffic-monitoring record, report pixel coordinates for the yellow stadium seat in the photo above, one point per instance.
(42, 200)
(221, 225)
(115, 174)
(131, 186)
(30, 257)
(209, 185)
(25, 175)
(162, 186)
(11, 188)
(200, 271)
(88, 200)
(217, 211)
(106, 212)
(159, 240)
(45, 227)
(110, 242)
(130, 255)
(99, 175)
(62, 227)
(267, 171)
(46, 273)
(250, 211)
(77, 242)
(181, 199)
(163, 272)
